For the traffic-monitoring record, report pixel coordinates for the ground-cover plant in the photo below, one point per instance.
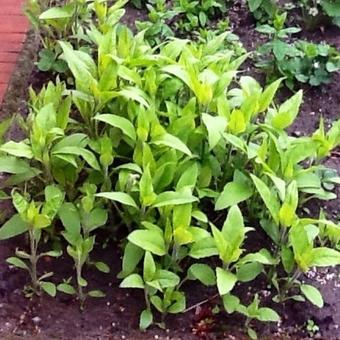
(298, 61)
(197, 13)
(157, 28)
(263, 10)
(316, 12)
(192, 160)
(32, 218)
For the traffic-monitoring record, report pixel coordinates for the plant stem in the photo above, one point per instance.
(146, 297)
(200, 303)
(33, 261)
(81, 295)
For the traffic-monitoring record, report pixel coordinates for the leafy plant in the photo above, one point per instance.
(316, 12)
(169, 144)
(263, 10)
(197, 13)
(299, 61)
(79, 222)
(33, 217)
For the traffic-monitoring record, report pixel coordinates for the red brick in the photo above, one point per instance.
(5, 78)
(13, 24)
(12, 9)
(6, 67)
(3, 89)
(8, 57)
(10, 46)
(13, 37)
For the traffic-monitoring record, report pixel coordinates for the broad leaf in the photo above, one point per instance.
(225, 281)
(149, 240)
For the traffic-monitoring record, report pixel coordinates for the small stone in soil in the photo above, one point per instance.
(36, 319)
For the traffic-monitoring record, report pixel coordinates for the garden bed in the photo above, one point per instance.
(116, 315)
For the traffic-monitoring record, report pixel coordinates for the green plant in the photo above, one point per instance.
(298, 61)
(189, 159)
(316, 12)
(79, 222)
(251, 312)
(263, 10)
(197, 13)
(312, 328)
(157, 28)
(33, 217)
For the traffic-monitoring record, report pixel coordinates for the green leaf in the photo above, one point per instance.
(19, 149)
(287, 112)
(230, 303)
(146, 191)
(268, 198)
(133, 93)
(49, 288)
(172, 142)
(53, 253)
(57, 13)
(149, 240)
(167, 279)
(119, 122)
(96, 294)
(312, 294)
(13, 227)
(225, 281)
(188, 177)
(249, 271)
(215, 127)
(14, 261)
(267, 314)
(103, 267)
(202, 248)
(70, 218)
(149, 267)
(252, 334)
(87, 155)
(131, 258)
(54, 198)
(13, 165)
(95, 219)
(203, 273)
(174, 198)
(254, 4)
(232, 194)
(120, 197)
(146, 319)
(66, 288)
(132, 281)
(263, 256)
(268, 95)
(324, 257)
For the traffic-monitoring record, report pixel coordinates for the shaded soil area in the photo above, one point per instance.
(116, 315)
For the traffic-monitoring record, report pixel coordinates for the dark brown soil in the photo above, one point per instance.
(116, 316)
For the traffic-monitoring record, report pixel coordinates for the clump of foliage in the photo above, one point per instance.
(187, 20)
(298, 61)
(150, 138)
(316, 12)
(263, 10)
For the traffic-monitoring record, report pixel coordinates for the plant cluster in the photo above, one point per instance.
(312, 12)
(189, 158)
(315, 12)
(298, 61)
(187, 19)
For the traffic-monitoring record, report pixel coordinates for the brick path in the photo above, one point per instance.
(13, 28)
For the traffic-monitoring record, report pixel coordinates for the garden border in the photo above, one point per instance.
(13, 28)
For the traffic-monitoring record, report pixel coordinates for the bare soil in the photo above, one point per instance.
(116, 315)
